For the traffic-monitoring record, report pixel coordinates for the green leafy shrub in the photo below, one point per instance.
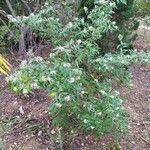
(142, 6)
(127, 22)
(49, 20)
(3, 31)
(42, 23)
(123, 16)
(79, 78)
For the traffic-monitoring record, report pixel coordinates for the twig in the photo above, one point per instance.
(146, 122)
(10, 8)
(132, 123)
(27, 6)
(3, 13)
(60, 140)
(148, 142)
(37, 5)
(144, 69)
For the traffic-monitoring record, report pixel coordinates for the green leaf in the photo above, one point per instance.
(122, 1)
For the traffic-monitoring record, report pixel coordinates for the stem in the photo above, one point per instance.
(10, 8)
(27, 6)
(60, 139)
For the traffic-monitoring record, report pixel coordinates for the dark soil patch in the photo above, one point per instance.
(138, 107)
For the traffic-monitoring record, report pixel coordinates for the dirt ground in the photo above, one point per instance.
(26, 125)
(138, 107)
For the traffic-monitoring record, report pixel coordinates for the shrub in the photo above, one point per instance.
(142, 6)
(79, 78)
(9, 36)
(3, 31)
(123, 16)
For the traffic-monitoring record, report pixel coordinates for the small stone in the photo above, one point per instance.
(82, 144)
(10, 148)
(53, 131)
(15, 103)
(39, 133)
(21, 110)
(18, 117)
(15, 143)
(29, 116)
(133, 142)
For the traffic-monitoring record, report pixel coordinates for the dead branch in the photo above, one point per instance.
(27, 6)
(37, 5)
(10, 8)
(148, 142)
(3, 13)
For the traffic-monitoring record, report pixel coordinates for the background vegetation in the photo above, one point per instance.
(91, 49)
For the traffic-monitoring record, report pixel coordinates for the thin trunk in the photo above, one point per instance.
(10, 8)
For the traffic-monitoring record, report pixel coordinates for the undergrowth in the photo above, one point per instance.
(78, 78)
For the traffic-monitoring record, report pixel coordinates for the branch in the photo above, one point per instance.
(37, 5)
(8, 28)
(27, 6)
(10, 8)
(3, 13)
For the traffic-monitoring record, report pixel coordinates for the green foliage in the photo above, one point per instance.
(3, 31)
(9, 36)
(124, 18)
(143, 6)
(65, 10)
(42, 22)
(121, 2)
(79, 78)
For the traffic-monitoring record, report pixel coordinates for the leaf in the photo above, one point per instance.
(4, 66)
(3, 71)
(4, 60)
(124, 1)
(52, 94)
(121, 1)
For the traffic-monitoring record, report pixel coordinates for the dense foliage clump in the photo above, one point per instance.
(124, 16)
(142, 6)
(77, 76)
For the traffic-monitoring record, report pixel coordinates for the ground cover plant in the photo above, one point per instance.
(78, 77)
